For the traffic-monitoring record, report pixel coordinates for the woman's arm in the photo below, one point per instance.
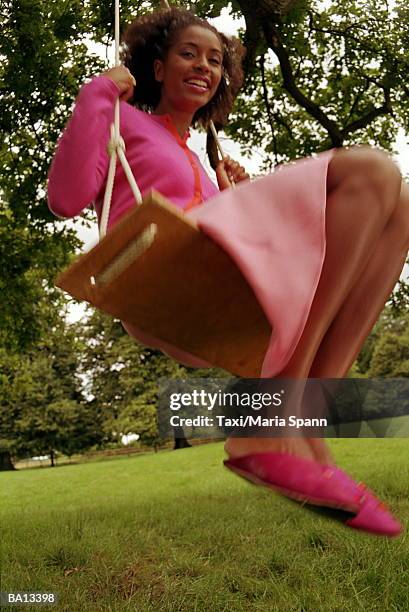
(80, 163)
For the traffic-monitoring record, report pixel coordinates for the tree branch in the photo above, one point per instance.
(354, 104)
(274, 41)
(385, 109)
(252, 39)
(358, 41)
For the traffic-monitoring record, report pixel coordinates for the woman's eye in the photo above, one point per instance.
(215, 62)
(187, 54)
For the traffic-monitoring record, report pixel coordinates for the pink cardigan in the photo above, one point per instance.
(158, 156)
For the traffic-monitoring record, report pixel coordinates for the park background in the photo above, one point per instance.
(125, 527)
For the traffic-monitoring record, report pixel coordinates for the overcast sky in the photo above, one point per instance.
(197, 142)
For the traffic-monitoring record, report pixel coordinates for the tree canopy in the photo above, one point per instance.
(42, 405)
(337, 77)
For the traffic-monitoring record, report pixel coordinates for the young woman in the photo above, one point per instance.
(322, 241)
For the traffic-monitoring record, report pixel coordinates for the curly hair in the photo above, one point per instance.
(150, 37)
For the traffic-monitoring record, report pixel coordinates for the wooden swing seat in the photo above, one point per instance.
(157, 271)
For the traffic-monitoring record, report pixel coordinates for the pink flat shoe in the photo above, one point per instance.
(319, 487)
(374, 516)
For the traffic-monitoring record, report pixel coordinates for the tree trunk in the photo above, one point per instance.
(6, 463)
(180, 440)
(52, 458)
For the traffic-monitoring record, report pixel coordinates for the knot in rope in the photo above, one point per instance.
(116, 143)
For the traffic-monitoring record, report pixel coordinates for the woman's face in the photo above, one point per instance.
(192, 70)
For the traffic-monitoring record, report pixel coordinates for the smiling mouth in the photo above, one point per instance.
(197, 85)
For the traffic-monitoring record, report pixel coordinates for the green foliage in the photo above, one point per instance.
(42, 61)
(385, 352)
(343, 81)
(391, 356)
(139, 416)
(30, 260)
(122, 377)
(42, 408)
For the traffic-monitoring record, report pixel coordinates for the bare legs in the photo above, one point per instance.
(367, 228)
(360, 311)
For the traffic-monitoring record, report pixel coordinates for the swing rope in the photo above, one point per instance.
(116, 146)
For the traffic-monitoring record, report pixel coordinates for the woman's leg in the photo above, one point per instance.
(363, 193)
(360, 311)
(365, 302)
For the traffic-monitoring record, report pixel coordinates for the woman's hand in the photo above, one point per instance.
(227, 171)
(124, 80)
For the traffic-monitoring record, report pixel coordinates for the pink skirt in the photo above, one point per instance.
(274, 230)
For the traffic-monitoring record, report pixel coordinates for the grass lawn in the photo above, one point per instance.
(177, 531)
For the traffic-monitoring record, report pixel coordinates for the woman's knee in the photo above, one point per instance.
(366, 168)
